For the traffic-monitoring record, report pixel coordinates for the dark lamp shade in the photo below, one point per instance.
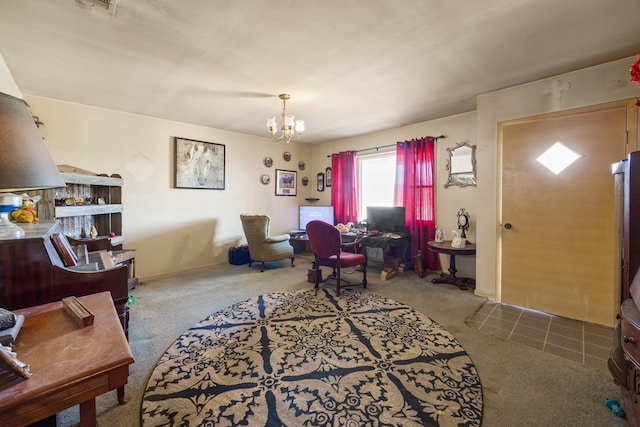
(25, 162)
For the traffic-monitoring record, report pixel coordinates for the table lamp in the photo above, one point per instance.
(25, 162)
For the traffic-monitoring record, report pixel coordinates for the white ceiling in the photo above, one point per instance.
(351, 66)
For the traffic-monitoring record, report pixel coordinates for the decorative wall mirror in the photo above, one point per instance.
(461, 165)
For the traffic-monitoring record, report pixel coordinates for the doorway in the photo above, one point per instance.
(557, 238)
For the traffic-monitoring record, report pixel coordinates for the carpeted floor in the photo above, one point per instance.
(521, 386)
(308, 357)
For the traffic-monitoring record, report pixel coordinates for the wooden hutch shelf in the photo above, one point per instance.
(93, 201)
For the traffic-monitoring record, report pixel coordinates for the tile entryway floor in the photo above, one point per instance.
(581, 342)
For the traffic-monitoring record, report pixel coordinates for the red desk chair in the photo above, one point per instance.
(326, 243)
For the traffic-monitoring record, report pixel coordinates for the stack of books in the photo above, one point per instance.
(10, 324)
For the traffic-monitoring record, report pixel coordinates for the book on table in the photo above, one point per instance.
(9, 335)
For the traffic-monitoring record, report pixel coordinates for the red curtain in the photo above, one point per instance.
(414, 189)
(344, 187)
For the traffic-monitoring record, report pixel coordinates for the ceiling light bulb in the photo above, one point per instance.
(271, 124)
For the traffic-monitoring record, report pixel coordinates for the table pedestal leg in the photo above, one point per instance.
(451, 278)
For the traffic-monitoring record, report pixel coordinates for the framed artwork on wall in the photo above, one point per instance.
(199, 164)
(286, 183)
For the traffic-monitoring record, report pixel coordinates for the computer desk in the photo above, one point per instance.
(385, 241)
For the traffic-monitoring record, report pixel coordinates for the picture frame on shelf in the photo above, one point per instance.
(199, 164)
(286, 183)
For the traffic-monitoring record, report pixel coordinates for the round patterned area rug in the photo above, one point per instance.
(309, 358)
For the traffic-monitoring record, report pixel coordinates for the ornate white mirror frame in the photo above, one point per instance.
(461, 165)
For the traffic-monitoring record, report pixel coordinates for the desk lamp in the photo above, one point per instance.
(25, 162)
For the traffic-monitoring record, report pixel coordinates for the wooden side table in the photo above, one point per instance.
(300, 243)
(70, 365)
(445, 247)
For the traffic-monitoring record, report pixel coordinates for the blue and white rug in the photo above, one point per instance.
(309, 358)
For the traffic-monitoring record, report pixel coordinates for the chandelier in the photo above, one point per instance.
(290, 127)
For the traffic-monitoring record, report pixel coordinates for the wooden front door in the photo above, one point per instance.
(558, 236)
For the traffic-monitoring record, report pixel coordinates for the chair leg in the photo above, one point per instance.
(292, 258)
(262, 268)
(317, 276)
(338, 281)
(364, 271)
(364, 274)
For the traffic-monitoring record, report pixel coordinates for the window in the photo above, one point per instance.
(377, 179)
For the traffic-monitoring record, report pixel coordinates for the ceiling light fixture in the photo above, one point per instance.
(290, 127)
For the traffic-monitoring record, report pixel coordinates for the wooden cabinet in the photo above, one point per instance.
(32, 273)
(630, 345)
(630, 332)
(624, 361)
(87, 201)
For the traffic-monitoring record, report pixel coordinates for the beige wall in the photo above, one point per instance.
(172, 229)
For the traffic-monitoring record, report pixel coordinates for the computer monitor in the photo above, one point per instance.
(386, 219)
(311, 212)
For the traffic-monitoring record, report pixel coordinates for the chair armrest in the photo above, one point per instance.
(354, 246)
(350, 244)
(278, 238)
(357, 241)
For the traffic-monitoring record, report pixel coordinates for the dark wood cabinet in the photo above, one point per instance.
(624, 361)
(32, 273)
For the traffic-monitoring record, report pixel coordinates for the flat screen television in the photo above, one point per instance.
(386, 219)
(311, 212)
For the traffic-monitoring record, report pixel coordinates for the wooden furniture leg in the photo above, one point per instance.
(88, 413)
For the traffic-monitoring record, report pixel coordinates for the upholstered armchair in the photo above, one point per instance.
(328, 250)
(262, 246)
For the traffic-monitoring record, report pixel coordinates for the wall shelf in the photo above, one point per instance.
(101, 206)
(68, 211)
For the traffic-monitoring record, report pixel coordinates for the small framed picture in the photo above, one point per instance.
(320, 181)
(286, 183)
(327, 177)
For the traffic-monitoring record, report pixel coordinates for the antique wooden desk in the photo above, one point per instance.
(70, 365)
(399, 244)
(451, 278)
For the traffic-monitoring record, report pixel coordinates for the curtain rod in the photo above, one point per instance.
(386, 146)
